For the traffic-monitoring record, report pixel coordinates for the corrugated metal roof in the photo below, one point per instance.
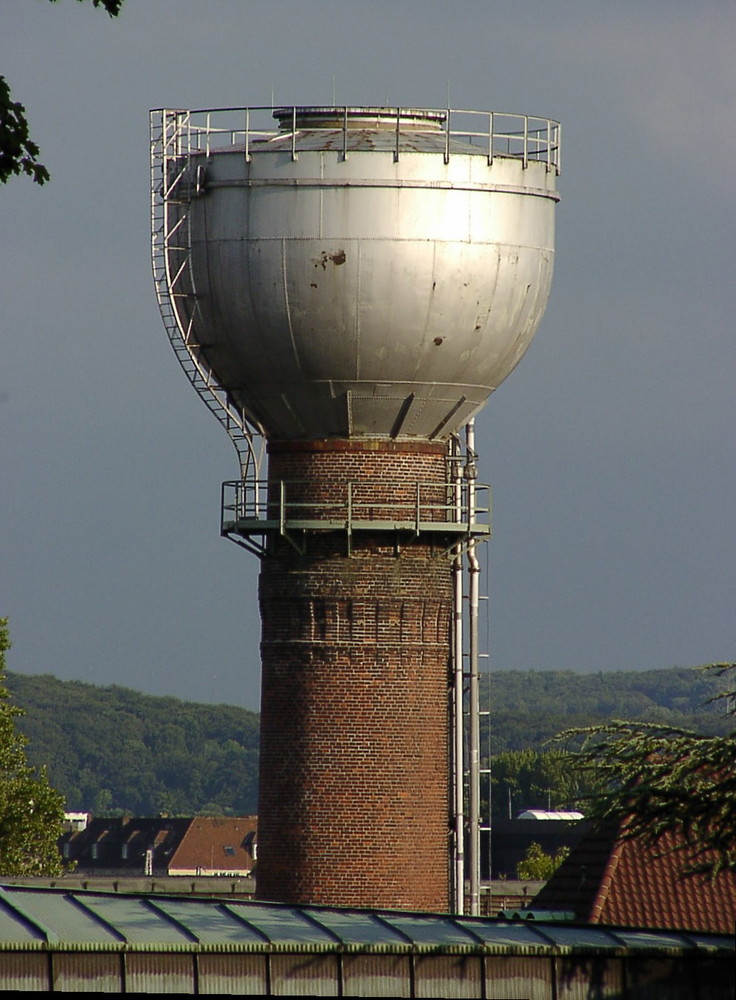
(12, 925)
(212, 924)
(283, 926)
(360, 928)
(51, 915)
(135, 920)
(427, 931)
(32, 918)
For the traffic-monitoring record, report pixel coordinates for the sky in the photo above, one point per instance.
(610, 448)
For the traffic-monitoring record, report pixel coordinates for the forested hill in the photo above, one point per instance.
(530, 706)
(112, 750)
(109, 749)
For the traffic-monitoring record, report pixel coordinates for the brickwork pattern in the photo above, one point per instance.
(354, 740)
(316, 481)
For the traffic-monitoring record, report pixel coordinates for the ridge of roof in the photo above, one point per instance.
(606, 883)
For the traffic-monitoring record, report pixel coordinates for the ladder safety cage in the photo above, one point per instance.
(171, 144)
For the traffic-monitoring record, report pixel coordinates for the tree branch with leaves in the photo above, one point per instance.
(18, 152)
(659, 780)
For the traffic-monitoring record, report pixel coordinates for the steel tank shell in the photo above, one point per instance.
(343, 290)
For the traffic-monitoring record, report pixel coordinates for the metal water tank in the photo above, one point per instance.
(362, 271)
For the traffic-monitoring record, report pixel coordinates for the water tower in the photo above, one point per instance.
(345, 286)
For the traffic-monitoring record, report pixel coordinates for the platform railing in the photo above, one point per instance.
(529, 138)
(253, 507)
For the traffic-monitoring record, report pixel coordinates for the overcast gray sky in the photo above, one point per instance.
(610, 448)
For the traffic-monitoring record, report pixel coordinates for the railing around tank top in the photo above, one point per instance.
(529, 138)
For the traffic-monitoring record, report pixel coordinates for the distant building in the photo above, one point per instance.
(75, 821)
(124, 844)
(556, 814)
(215, 845)
(163, 845)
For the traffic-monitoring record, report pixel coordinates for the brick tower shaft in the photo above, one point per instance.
(354, 709)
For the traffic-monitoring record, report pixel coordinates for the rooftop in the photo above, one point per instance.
(609, 879)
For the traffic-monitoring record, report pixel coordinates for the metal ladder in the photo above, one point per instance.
(470, 778)
(170, 235)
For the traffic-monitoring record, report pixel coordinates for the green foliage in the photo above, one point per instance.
(530, 707)
(537, 779)
(536, 866)
(660, 779)
(112, 750)
(111, 6)
(31, 811)
(18, 152)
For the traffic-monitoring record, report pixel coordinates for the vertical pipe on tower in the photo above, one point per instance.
(458, 701)
(473, 686)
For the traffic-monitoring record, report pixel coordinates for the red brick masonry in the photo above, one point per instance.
(355, 649)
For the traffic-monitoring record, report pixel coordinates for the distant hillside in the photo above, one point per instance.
(109, 749)
(530, 706)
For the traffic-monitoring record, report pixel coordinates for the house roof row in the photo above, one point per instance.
(607, 879)
(200, 845)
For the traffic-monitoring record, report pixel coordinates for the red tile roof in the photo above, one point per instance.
(216, 845)
(608, 879)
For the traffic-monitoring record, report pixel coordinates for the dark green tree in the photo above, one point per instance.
(31, 811)
(18, 152)
(657, 780)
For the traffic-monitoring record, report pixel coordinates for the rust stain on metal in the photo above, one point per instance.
(338, 257)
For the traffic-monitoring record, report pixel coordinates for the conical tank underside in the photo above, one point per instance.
(362, 276)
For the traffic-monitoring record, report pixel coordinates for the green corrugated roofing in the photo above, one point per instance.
(429, 930)
(283, 925)
(499, 935)
(211, 924)
(360, 928)
(31, 917)
(52, 914)
(12, 926)
(568, 936)
(137, 920)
